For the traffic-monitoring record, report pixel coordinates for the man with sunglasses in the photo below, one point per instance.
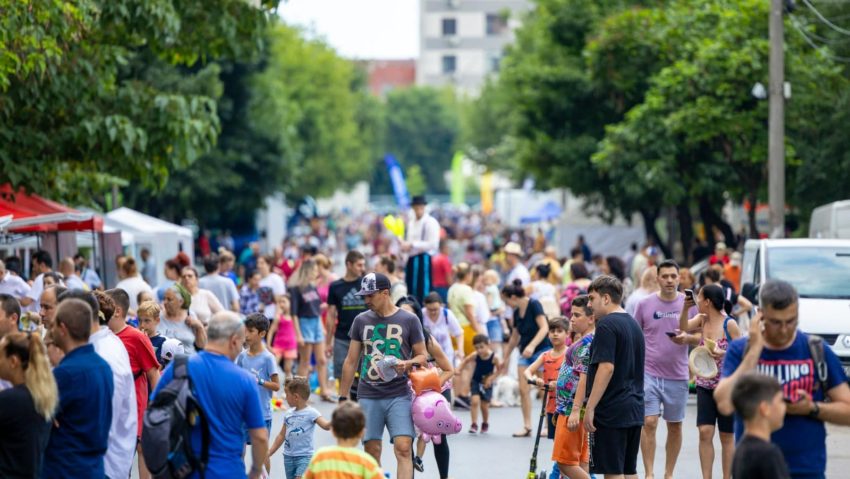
(776, 348)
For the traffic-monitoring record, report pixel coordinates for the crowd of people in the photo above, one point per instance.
(609, 341)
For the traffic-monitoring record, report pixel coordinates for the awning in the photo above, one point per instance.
(32, 213)
(549, 211)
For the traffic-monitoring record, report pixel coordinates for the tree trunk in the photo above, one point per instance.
(711, 219)
(686, 230)
(649, 218)
(752, 197)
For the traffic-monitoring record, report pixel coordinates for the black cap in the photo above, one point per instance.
(418, 200)
(373, 283)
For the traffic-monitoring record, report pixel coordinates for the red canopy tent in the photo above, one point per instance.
(34, 214)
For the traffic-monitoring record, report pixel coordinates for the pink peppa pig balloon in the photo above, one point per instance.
(432, 417)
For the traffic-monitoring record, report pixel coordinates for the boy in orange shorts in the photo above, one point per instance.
(571, 450)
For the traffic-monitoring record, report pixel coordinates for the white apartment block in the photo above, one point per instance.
(462, 41)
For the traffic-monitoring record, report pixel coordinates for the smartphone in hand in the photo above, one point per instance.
(690, 294)
(672, 334)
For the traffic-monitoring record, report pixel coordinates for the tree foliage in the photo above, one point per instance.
(77, 113)
(646, 106)
(296, 121)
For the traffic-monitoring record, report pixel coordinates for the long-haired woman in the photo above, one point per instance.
(306, 310)
(714, 327)
(27, 407)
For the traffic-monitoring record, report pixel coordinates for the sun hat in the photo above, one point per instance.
(702, 363)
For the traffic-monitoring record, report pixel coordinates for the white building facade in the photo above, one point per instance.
(462, 41)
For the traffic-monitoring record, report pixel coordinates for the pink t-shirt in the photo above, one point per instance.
(664, 358)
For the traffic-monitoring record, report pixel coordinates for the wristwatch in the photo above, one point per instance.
(815, 412)
(342, 399)
(260, 381)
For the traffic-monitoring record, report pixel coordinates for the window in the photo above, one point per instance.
(449, 27)
(497, 24)
(816, 272)
(449, 64)
(494, 61)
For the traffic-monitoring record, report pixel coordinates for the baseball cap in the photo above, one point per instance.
(170, 348)
(373, 283)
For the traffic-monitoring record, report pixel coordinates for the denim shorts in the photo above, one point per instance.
(394, 413)
(494, 330)
(311, 330)
(295, 466)
(526, 362)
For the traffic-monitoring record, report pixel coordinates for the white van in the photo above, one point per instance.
(831, 221)
(820, 270)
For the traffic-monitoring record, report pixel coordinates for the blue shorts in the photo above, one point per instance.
(671, 395)
(394, 413)
(247, 435)
(526, 362)
(494, 331)
(295, 466)
(311, 330)
(477, 388)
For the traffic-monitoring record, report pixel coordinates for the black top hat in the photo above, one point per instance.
(418, 200)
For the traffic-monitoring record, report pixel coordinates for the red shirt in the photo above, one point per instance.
(441, 271)
(142, 359)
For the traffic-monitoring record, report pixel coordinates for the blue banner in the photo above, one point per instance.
(397, 179)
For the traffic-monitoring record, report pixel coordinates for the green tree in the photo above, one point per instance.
(296, 121)
(422, 128)
(77, 112)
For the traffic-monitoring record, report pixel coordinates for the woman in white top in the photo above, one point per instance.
(204, 302)
(443, 326)
(176, 322)
(132, 283)
(270, 279)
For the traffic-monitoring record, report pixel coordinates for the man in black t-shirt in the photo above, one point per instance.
(615, 408)
(343, 306)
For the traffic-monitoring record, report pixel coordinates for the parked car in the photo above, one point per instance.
(820, 271)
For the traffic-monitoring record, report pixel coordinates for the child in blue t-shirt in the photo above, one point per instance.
(299, 423)
(261, 363)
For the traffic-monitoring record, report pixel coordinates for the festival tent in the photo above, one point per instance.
(163, 239)
(34, 214)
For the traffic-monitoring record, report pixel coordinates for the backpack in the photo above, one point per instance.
(571, 292)
(167, 432)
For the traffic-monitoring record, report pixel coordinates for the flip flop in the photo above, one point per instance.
(527, 433)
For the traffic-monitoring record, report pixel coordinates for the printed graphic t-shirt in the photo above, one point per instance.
(300, 426)
(802, 440)
(664, 358)
(391, 336)
(341, 294)
(576, 362)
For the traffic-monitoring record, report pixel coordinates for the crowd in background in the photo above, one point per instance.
(490, 291)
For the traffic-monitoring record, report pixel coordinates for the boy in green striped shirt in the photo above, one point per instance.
(345, 460)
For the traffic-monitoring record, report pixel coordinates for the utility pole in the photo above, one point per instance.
(776, 121)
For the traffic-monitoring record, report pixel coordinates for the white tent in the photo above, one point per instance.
(163, 239)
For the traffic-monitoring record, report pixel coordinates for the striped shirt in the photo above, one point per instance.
(335, 462)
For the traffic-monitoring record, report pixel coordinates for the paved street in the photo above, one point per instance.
(498, 455)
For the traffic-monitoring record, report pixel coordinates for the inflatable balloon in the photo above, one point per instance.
(422, 380)
(394, 225)
(433, 416)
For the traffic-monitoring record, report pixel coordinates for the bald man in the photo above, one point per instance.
(72, 280)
